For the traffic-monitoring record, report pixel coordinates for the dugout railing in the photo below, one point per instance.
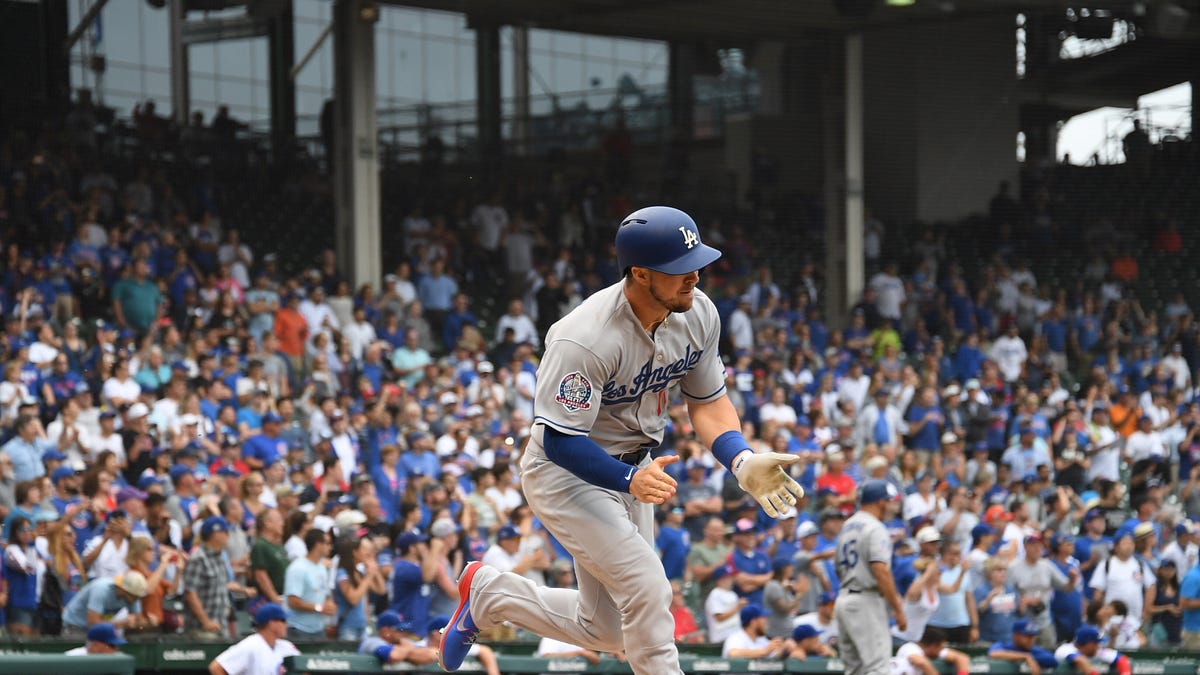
(34, 657)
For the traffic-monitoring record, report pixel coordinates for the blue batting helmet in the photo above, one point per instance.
(662, 239)
(877, 491)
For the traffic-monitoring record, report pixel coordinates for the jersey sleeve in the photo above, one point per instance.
(236, 659)
(569, 383)
(706, 380)
(879, 545)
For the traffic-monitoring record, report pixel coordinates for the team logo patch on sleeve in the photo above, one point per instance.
(575, 392)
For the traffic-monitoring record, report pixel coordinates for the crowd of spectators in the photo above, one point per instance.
(191, 430)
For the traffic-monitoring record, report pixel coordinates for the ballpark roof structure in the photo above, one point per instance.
(740, 20)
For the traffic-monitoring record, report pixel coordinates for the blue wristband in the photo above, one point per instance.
(727, 446)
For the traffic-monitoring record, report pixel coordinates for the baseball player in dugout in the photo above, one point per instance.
(600, 407)
(864, 558)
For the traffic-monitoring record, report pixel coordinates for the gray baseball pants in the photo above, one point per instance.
(623, 598)
(866, 648)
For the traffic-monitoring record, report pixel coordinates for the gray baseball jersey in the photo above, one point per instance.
(605, 377)
(862, 541)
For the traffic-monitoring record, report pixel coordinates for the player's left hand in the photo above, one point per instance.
(762, 476)
(651, 484)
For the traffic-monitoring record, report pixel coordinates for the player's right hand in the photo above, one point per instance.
(651, 484)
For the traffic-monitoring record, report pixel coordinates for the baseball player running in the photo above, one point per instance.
(600, 405)
(864, 557)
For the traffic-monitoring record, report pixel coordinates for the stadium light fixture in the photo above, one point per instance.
(901, 3)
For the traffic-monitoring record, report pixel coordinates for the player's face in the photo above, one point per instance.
(1089, 650)
(674, 291)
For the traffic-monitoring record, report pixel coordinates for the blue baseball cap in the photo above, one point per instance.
(803, 421)
(876, 490)
(146, 481)
(982, 530)
(104, 632)
(1025, 627)
(53, 455)
(272, 417)
(805, 631)
(720, 572)
(751, 612)
(1060, 538)
(213, 524)
(827, 598)
(508, 532)
(177, 472)
(229, 471)
(181, 367)
(437, 623)
(1087, 635)
(108, 415)
(388, 619)
(268, 613)
(61, 473)
(407, 539)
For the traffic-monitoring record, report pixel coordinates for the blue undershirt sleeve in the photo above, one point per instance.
(583, 457)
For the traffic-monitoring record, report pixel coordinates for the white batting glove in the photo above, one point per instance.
(762, 476)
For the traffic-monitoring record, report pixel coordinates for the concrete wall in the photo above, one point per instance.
(941, 117)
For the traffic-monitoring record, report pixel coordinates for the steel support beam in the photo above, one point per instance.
(356, 160)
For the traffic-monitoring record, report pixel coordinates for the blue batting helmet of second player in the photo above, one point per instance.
(663, 239)
(877, 491)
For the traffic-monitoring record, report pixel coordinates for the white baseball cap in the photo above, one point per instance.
(138, 410)
(132, 583)
(928, 535)
(349, 519)
(807, 528)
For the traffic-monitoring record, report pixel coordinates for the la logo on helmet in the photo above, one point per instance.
(690, 238)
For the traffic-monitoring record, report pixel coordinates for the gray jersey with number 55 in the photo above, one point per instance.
(862, 541)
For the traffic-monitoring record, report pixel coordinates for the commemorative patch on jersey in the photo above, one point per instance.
(575, 392)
